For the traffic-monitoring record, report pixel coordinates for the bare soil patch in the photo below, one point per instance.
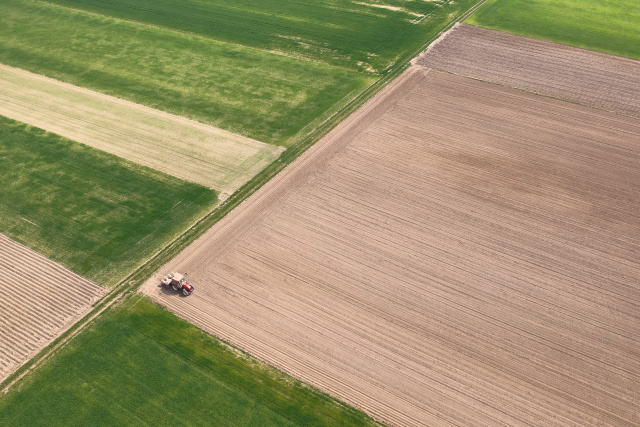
(454, 253)
(597, 79)
(39, 299)
(174, 145)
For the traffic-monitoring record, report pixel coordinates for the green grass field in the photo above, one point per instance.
(611, 26)
(140, 365)
(257, 94)
(364, 35)
(91, 211)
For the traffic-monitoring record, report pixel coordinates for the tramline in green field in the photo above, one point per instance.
(610, 26)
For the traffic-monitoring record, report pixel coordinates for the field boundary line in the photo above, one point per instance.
(45, 354)
(290, 244)
(572, 74)
(75, 328)
(463, 16)
(142, 273)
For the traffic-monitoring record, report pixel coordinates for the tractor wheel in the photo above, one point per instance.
(185, 292)
(175, 288)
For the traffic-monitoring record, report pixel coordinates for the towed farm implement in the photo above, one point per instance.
(178, 282)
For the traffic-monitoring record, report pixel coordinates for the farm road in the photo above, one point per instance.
(171, 144)
(454, 253)
(39, 299)
(591, 78)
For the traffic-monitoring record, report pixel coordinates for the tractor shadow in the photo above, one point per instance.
(169, 292)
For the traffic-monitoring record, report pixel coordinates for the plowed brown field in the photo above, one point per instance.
(578, 75)
(39, 299)
(455, 253)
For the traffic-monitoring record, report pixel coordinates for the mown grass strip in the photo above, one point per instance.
(257, 94)
(91, 211)
(139, 364)
(610, 26)
(183, 148)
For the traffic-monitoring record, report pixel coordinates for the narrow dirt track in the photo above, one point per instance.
(454, 253)
(578, 75)
(39, 299)
(171, 144)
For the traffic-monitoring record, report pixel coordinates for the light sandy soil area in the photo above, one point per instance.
(39, 299)
(454, 253)
(578, 75)
(174, 145)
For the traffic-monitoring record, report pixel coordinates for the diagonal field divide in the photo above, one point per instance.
(454, 253)
(578, 75)
(122, 289)
(172, 144)
(39, 299)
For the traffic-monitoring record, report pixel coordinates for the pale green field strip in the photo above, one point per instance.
(174, 145)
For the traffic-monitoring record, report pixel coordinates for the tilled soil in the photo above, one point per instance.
(454, 253)
(39, 299)
(578, 75)
(171, 144)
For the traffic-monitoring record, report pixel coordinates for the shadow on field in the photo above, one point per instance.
(170, 292)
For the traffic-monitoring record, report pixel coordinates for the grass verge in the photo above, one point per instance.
(87, 209)
(610, 26)
(139, 364)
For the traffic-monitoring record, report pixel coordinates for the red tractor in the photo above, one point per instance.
(178, 282)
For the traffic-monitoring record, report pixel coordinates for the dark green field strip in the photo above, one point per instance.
(140, 365)
(93, 212)
(364, 35)
(261, 95)
(610, 26)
